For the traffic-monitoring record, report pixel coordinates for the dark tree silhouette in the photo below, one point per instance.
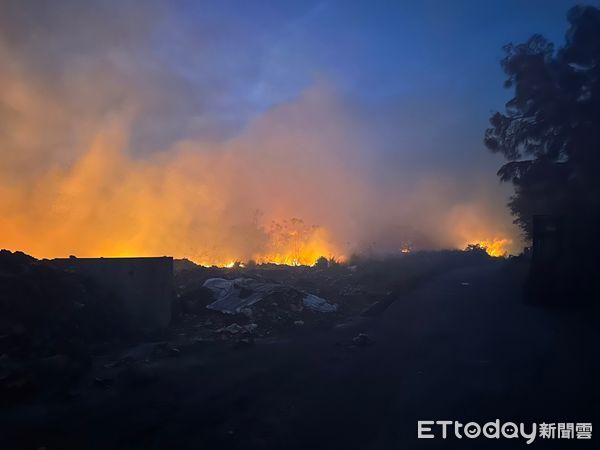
(550, 131)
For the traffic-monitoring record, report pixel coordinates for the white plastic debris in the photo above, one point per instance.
(319, 304)
(233, 296)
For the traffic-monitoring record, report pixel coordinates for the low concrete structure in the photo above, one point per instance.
(144, 284)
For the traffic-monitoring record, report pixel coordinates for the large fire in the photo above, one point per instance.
(273, 194)
(494, 247)
(289, 242)
(106, 153)
(212, 206)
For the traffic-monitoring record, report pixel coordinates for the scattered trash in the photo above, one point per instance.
(234, 295)
(250, 328)
(237, 296)
(362, 339)
(247, 312)
(234, 328)
(50, 336)
(263, 307)
(315, 303)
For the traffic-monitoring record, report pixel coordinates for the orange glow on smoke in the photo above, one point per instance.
(185, 203)
(476, 226)
(494, 247)
(295, 185)
(291, 243)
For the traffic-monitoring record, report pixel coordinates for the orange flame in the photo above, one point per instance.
(494, 247)
(110, 204)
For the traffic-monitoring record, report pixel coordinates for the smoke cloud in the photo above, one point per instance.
(110, 148)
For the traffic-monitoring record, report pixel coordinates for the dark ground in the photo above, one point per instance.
(462, 346)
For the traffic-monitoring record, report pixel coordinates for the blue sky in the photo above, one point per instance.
(395, 61)
(224, 63)
(373, 50)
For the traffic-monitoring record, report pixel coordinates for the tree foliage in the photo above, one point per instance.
(550, 130)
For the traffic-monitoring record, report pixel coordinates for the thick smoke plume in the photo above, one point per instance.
(103, 156)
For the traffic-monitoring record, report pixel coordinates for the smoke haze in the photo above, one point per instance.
(144, 135)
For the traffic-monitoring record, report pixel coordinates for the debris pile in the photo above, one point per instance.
(55, 324)
(266, 306)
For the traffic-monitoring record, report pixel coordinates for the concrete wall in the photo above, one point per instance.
(144, 284)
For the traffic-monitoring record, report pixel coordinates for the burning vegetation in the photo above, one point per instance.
(493, 247)
(290, 242)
